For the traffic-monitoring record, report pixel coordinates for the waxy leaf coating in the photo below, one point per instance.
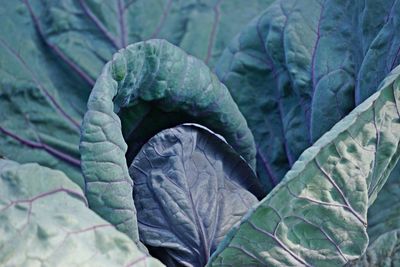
(151, 85)
(301, 66)
(190, 189)
(45, 221)
(326, 194)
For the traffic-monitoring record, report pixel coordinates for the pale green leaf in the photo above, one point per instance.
(317, 215)
(45, 221)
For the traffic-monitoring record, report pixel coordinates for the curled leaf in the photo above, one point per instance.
(151, 85)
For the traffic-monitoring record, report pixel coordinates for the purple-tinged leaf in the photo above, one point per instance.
(190, 188)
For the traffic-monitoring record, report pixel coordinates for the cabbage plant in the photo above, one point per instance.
(162, 142)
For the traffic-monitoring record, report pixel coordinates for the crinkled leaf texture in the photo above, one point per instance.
(153, 85)
(41, 103)
(89, 32)
(302, 65)
(383, 226)
(190, 188)
(383, 252)
(384, 214)
(45, 221)
(317, 215)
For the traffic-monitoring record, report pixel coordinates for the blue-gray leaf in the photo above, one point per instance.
(190, 188)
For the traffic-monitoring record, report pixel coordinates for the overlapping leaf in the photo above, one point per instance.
(53, 51)
(153, 85)
(190, 189)
(45, 221)
(41, 103)
(302, 65)
(88, 32)
(383, 252)
(326, 194)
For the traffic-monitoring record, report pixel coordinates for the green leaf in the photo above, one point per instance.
(383, 252)
(88, 32)
(384, 214)
(44, 220)
(153, 85)
(191, 187)
(301, 66)
(52, 52)
(326, 194)
(40, 102)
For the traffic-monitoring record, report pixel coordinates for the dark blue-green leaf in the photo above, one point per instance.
(89, 32)
(41, 102)
(302, 65)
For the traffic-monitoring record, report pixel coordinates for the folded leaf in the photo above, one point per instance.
(383, 252)
(302, 65)
(44, 221)
(190, 189)
(41, 104)
(153, 85)
(326, 193)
